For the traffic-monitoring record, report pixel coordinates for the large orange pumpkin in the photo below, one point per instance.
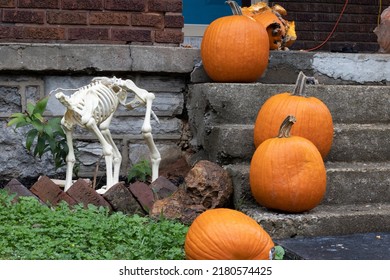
(287, 173)
(235, 48)
(314, 120)
(226, 234)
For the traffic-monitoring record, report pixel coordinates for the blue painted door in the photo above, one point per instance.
(205, 11)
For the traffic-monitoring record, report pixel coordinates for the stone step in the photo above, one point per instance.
(347, 183)
(228, 143)
(328, 68)
(221, 103)
(324, 220)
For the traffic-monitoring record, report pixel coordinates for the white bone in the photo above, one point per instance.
(93, 107)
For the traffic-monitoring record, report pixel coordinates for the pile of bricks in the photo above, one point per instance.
(136, 198)
(92, 21)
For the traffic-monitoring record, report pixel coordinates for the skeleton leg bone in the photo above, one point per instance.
(70, 158)
(117, 157)
(107, 152)
(147, 134)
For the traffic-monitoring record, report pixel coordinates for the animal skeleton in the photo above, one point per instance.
(93, 107)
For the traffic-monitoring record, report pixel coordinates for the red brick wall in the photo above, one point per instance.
(92, 21)
(316, 18)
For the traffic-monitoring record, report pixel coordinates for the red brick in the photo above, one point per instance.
(40, 33)
(109, 18)
(85, 33)
(143, 193)
(14, 187)
(131, 35)
(83, 193)
(174, 21)
(23, 16)
(7, 3)
(50, 193)
(148, 19)
(165, 5)
(66, 17)
(169, 36)
(50, 4)
(126, 5)
(121, 199)
(6, 31)
(82, 5)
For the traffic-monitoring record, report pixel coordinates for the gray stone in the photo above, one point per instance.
(164, 59)
(10, 100)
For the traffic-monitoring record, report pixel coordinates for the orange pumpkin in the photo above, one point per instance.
(314, 120)
(287, 173)
(226, 234)
(235, 48)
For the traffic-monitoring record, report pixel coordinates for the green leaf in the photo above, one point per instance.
(40, 147)
(17, 115)
(30, 138)
(39, 117)
(16, 121)
(38, 125)
(41, 106)
(30, 109)
(49, 131)
(279, 253)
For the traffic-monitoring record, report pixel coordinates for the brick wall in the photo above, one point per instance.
(92, 21)
(316, 18)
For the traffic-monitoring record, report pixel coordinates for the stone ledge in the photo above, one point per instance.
(327, 67)
(92, 58)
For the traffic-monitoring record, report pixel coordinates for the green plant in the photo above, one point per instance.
(31, 231)
(278, 253)
(140, 171)
(45, 134)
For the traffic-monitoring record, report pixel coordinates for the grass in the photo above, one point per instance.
(30, 231)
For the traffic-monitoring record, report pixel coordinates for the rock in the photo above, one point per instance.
(82, 192)
(121, 199)
(162, 187)
(175, 171)
(207, 186)
(177, 207)
(16, 188)
(143, 193)
(50, 193)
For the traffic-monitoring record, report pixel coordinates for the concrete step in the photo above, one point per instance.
(229, 143)
(221, 103)
(328, 68)
(347, 183)
(324, 220)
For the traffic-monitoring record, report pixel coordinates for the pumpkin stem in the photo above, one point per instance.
(285, 128)
(301, 83)
(236, 9)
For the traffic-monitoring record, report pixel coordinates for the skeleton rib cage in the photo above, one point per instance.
(93, 107)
